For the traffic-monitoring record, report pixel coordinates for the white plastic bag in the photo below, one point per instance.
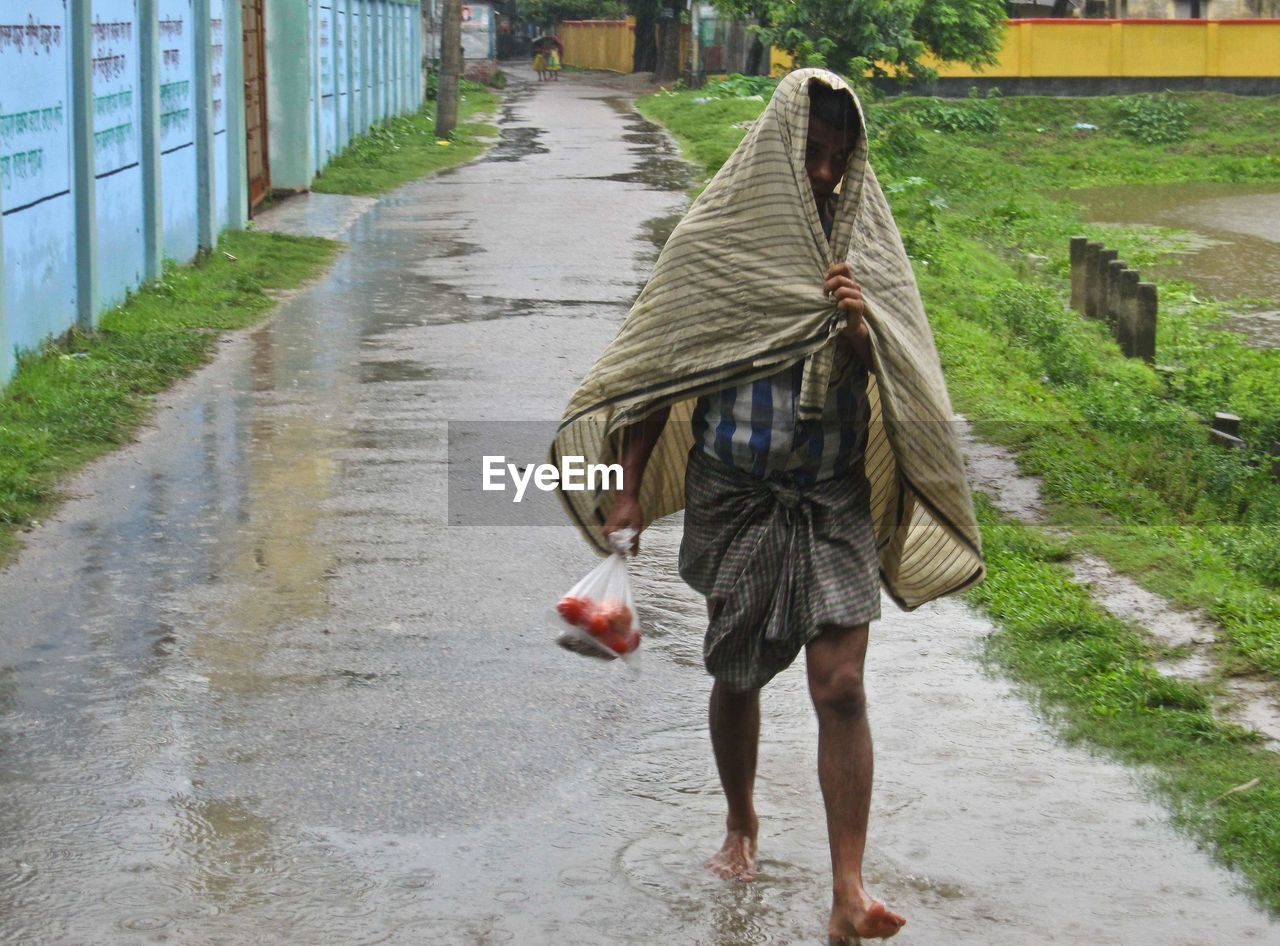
(597, 616)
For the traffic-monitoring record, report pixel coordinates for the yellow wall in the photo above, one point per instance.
(607, 44)
(599, 44)
(1043, 48)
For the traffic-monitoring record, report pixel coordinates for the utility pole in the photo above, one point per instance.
(450, 68)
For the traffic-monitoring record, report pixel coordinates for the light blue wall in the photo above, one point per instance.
(156, 101)
(35, 173)
(363, 60)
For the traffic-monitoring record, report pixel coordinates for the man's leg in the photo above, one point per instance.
(735, 738)
(835, 659)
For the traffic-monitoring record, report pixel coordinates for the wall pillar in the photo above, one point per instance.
(206, 176)
(6, 350)
(84, 187)
(350, 131)
(149, 52)
(237, 196)
(290, 135)
(366, 93)
(317, 92)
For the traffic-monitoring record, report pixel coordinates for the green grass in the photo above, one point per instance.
(86, 394)
(1121, 449)
(406, 147)
(1093, 674)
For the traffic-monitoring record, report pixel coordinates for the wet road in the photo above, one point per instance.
(254, 687)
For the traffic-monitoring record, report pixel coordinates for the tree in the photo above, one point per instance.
(884, 36)
(547, 13)
(668, 64)
(762, 12)
(645, 56)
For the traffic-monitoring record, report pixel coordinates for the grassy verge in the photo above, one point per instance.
(1121, 449)
(86, 394)
(406, 147)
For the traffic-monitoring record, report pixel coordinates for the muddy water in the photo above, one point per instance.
(253, 687)
(1229, 239)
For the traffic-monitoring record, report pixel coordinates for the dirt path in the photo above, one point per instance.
(254, 686)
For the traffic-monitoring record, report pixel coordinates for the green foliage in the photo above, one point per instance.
(976, 114)
(405, 147)
(893, 137)
(547, 13)
(1154, 119)
(886, 36)
(736, 85)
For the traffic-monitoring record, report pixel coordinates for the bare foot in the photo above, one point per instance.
(872, 920)
(736, 859)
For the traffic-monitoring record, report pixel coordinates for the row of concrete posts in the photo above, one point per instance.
(1104, 287)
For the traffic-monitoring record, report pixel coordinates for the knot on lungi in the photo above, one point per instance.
(777, 563)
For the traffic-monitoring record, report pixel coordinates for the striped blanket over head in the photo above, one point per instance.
(736, 294)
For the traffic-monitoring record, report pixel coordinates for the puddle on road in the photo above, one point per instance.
(659, 166)
(1233, 248)
(515, 141)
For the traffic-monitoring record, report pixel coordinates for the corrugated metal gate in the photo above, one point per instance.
(255, 102)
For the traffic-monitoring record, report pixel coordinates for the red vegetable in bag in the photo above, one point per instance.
(597, 616)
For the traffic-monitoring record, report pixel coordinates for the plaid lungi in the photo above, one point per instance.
(777, 564)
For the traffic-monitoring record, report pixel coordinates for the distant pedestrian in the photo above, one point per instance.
(540, 64)
(553, 63)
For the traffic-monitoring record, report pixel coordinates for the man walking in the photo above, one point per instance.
(778, 371)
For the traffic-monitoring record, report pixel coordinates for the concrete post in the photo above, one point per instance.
(1128, 314)
(206, 176)
(1225, 431)
(1092, 254)
(1078, 246)
(451, 66)
(149, 138)
(1111, 307)
(1144, 324)
(84, 186)
(1227, 423)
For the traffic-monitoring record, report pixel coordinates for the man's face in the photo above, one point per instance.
(826, 156)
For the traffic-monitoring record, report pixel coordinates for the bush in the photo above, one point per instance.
(976, 114)
(738, 86)
(1154, 119)
(896, 136)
